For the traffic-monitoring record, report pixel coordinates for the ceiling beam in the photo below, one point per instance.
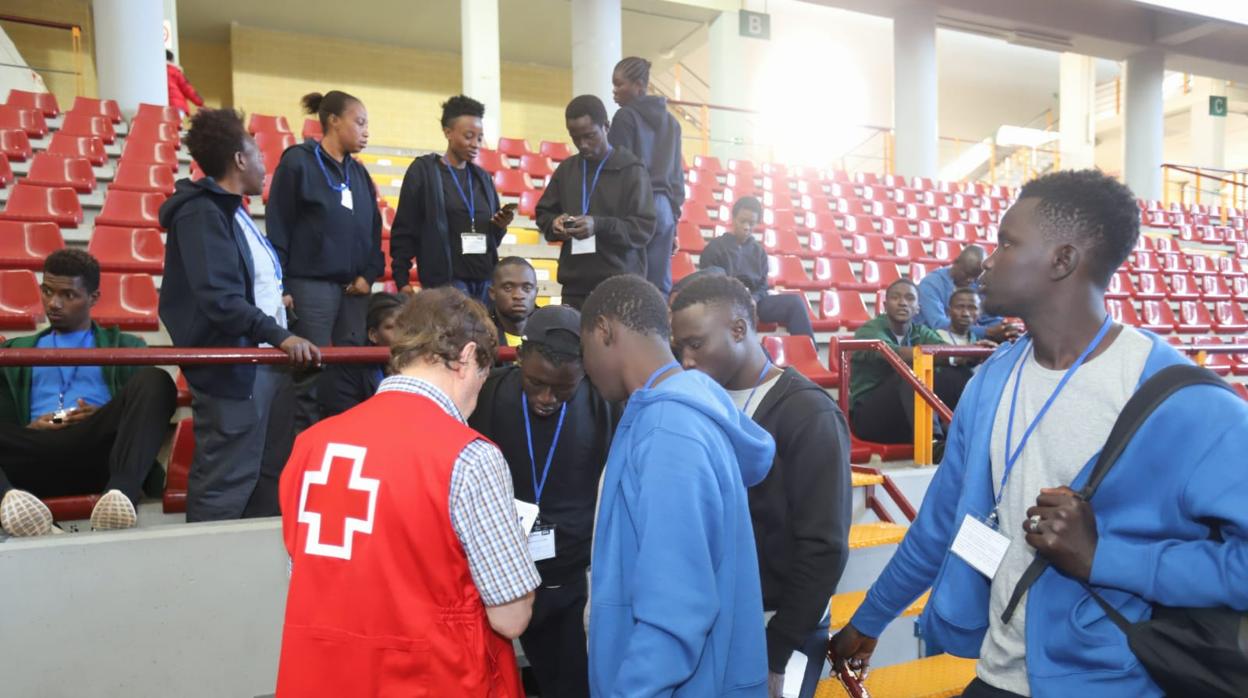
(1173, 30)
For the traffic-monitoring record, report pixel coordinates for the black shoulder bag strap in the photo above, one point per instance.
(1148, 398)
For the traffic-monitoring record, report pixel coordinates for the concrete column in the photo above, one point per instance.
(596, 47)
(1144, 124)
(914, 90)
(130, 52)
(482, 68)
(1077, 111)
(171, 16)
(1208, 134)
(730, 84)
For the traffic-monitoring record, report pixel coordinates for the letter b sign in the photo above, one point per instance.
(755, 25)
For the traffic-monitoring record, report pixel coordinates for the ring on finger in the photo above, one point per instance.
(1033, 523)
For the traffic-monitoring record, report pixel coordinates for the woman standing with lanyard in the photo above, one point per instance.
(448, 219)
(322, 219)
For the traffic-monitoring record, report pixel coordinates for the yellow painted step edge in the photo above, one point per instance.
(844, 605)
(869, 535)
(941, 676)
(865, 480)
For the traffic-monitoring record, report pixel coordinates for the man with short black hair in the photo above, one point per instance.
(513, 295)
(936, 292)
(554, 430)
(675, 603)
(598, 204)
(1167, 525)
(801, 510)
(67, 430)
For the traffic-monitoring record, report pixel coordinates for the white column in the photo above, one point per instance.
(482, 69)
(914, 90)
(1208, 134)
(1077, 111)
(130, 52)
(171, 16)
(730, 83)
(596, 47)
(1143, 123)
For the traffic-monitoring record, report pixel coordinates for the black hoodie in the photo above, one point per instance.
(801, 510)
(653, 135)
(207, 297)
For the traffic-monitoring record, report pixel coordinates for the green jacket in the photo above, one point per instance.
(868, 369)
(15, 380)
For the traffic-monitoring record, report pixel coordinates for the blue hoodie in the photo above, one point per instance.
(1183, 468)
(676, 607)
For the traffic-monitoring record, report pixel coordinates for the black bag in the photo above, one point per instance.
(1188, 652)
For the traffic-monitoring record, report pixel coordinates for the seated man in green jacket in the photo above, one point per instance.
(67, 430)
(881, 402)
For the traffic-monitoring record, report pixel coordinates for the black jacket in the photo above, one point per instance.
(315, 236)
(745, 262)
(653, 135)
(801, 510)
(207, 298)
(570, 494)
(420, 229)
(622, 207)
(343, 386)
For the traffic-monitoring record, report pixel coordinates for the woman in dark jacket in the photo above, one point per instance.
(449, 218)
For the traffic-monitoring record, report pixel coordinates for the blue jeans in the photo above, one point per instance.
(659, 249)
(476, 289)
(816, 650)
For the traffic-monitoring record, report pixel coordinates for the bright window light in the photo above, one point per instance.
(1025, 137)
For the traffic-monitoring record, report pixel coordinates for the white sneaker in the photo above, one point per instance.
(113, 511)
(22, 514)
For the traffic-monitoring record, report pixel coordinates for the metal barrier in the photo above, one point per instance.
(75, 47)
(179, 356)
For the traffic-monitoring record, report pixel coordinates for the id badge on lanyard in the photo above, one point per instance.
(473, 243)
(347, 202)
(980, 545)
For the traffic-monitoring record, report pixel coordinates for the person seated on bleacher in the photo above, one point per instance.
(742, 257)
(1167, 526)
(936, 292)
(554, 429)
(69, 430)
(346, 385)
(598, 203)
(223, 288)
(449, 219)
(801, 510)
(963, 313)
(881, 401)
(513, 295)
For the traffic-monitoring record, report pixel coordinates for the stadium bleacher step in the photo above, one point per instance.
(878, 533)
(898, 643)
(872, 545)
(865, 479)
(939, 676)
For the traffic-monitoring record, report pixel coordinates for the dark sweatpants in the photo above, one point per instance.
(979, 689)
(788, 310)
(554, 642)
(886, 413)
(326, 316)
(114, 448)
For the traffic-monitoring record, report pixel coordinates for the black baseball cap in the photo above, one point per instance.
(556, 326)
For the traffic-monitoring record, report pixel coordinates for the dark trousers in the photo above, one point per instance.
(114, 448)
(659, 249)
(979, 689)
(241, 447)
(816, 650)
(554, 642)
(326, 316)
(476, 289)
(886, 413)
(786, 309)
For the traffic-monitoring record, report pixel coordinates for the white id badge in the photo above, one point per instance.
(472, 243)
(980, 546)
(587, 246)
(347, 201)
(528, 515)
(542, 543)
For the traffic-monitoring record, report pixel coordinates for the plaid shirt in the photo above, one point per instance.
(483, 510)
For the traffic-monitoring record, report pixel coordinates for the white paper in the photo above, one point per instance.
(587, 246)
(542, 543)
(473, 243)
(980, 546)
(794, 672)
(528, 515)
(347, 201)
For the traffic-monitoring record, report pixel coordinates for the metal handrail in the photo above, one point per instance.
(180, 356)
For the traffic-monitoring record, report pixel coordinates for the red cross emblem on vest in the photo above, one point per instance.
(337, 502)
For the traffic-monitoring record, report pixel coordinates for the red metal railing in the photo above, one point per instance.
(178, 356)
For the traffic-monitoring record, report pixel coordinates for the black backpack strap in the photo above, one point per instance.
(1148, 398)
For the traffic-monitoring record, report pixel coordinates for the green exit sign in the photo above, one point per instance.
(1217, 106)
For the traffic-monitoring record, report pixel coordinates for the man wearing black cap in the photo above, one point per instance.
(555, 431)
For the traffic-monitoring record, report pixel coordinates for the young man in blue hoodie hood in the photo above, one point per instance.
(1024, 438)
(675, 603)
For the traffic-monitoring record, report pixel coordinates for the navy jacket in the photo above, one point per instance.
(207, 298)
(653, 135)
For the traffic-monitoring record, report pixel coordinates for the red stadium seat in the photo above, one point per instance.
(909, 249)
(312, 130)
(1158, 317)
(512, 182)
(917, 271)
(799, 352)
(944, 251)
(871, 247)
(180, 458)
(139, 176)
(15, 144)
(490, 160)
(29, 120)
(84, 124)
(1123, 312)
(708, 163)
(682, 266)
(273, 144)
(836, 273)
(528, 203)
(263, 123)
(830, 245)
(128, 249)
(44, 102)
(786, 272)
(860, 224)
(1174, 262)
(6, 172)
(780, 219)
(184, 388)
(88, 147)
(150, 152)
(131, 209)
(31, 202)
(1150, 286)
(932, 230)
(128, 301)
(1194, 318)
(536, 166)
(694, 212)
(155, 112)
(1239, 288)
(50, 170)
(1228, 318)
(689, 238)
(895, 226)
(1202, 264)
(846, 307)
(1120, 286)
(101, 107)
(558, 152)
(1220, 363)
(1183, 287)
(25, 245)
(148, 131)
(514, 147)
(21, 306)
(778, 242)
(1214, 288)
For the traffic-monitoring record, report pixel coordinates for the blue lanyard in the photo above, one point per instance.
(67, 383)
(662, 369)
(469, 199)
(761, 374)
(1012, 456)
(346, 172)
(586, 194)
(538, 486)
(268, 246)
